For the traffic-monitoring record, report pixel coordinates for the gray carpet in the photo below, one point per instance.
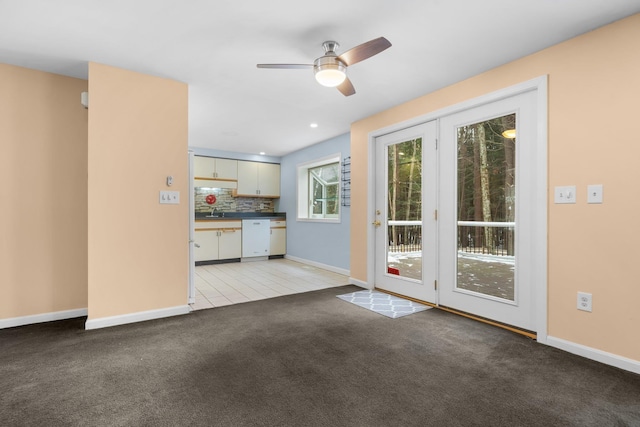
(302, 360)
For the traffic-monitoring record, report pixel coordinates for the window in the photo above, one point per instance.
(319, 190)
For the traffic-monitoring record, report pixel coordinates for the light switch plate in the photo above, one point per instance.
(594, 193)
(169, 197)
(565, 194)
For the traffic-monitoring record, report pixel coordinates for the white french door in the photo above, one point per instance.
(405, 220)
(477, 225)
(487, 199)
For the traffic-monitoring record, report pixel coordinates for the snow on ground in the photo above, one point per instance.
(502, 259)
(483, 273)
(394, 257)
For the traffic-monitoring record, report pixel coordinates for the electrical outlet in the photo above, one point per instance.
(584, 301)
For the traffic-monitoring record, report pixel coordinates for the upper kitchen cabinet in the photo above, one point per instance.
(223, 171)
(258, 179)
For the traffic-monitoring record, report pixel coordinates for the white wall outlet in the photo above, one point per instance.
(584, 301)
(169, 197)
(594, 193)
(565, 194)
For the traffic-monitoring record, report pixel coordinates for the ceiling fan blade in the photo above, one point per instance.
(286, 66)
(364, 51)
(346, 87)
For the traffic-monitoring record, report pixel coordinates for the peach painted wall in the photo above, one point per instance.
(137, 248)
(43, 193)
(594, 88)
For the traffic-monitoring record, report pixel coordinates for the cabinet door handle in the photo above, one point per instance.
(196, 245)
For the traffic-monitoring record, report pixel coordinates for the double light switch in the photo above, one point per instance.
(567, 194)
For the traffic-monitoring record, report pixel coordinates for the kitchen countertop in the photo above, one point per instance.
(202, 216)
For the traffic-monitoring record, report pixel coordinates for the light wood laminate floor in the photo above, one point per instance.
(232, 283)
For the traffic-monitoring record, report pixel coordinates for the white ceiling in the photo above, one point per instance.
(214, 46)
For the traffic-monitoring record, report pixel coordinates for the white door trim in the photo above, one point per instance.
(191, 293)
(538, 84)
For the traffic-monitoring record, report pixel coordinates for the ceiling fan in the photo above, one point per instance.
(331, 70)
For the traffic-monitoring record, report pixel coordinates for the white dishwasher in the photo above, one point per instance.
(256, 237)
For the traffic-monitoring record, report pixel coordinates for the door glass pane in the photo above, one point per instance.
(404, 209)
(486, 207)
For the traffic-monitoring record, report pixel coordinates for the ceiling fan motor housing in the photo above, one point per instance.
(328, 69)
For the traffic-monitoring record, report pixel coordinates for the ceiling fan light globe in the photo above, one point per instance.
(329, 70)
(330, 77)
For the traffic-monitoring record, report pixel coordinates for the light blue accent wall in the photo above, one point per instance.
(325, 243)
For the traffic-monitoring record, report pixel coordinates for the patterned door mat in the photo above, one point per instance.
(385, 304)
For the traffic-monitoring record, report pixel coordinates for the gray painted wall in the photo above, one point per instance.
(324, 243)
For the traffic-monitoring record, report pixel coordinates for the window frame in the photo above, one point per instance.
(304, 211)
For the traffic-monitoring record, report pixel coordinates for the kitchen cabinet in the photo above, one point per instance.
(206, 245)
(278, 241)
(217, 240)
(258, 179)
(214, 169)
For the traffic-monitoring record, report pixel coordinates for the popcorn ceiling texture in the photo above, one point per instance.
(225, 202)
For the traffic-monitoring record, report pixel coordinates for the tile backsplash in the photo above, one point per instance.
(225, 202)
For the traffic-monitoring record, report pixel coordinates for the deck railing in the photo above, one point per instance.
(405, 236)
(496, 238)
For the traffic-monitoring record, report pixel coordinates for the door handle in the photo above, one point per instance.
(196, 245)
(376, 223)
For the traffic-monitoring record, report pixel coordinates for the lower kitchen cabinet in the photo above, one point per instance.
(278, 243)
(230, 243)
(206, 245)
(217, 240)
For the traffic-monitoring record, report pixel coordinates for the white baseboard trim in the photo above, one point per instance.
(40, 318)
(360, 283)
(319, 265)
(595, 354)
(141, 316)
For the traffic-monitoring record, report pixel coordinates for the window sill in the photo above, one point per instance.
(326, 220)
